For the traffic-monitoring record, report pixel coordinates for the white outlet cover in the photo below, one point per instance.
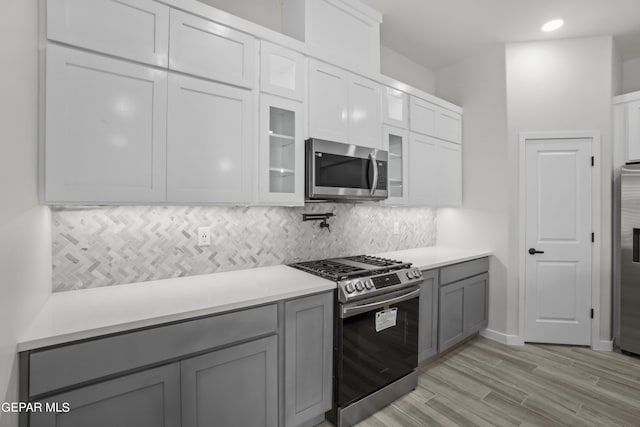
(204, 236)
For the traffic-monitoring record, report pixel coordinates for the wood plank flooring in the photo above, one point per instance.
(484, 383)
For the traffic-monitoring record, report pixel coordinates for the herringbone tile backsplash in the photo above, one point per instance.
(125, 244)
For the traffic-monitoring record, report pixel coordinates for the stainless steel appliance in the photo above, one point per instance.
(376, 332)
(343, 172)
(630, 258)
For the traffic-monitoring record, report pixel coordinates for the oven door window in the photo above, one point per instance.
(369, 360)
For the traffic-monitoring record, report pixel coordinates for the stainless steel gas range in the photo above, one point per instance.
(375, 335)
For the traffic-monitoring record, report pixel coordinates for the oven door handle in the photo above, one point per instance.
(354, 310)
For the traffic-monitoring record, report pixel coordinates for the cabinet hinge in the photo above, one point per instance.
(592, 313)
(593, 161)
(593, 237)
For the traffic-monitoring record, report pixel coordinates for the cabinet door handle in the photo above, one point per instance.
(532, 251)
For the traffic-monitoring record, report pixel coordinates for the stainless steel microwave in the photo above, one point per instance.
(344, 172)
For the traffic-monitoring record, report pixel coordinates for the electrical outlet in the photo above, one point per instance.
(396, 227)
(204, 236)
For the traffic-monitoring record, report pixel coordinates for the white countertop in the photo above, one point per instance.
(435, 256)
(75, 315)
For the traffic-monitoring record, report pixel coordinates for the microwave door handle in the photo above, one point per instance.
(372, 158)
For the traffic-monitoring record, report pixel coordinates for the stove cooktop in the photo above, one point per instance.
(338, 269)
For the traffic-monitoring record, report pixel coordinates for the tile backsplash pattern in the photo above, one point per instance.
(103, 246)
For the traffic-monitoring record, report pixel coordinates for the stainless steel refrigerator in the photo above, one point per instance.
(630, 259)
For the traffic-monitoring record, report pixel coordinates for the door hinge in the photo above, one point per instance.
(593, 237)
(593, 161)
(592, 313)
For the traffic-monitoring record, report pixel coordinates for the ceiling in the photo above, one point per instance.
(435, 33)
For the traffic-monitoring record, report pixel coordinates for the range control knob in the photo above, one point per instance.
(359, 286)
(349, 288)
(368, 284)
(418, 273)
(409, 274)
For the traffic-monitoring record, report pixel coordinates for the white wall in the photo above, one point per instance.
(401, 68)
(631, 76)
(562, 85)
(478, 85)
(25, 237)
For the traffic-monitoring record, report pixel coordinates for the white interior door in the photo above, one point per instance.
(558, 241)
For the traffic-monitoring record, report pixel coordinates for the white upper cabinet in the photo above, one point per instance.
(449, 126)
(633, 131)
(435, 172)
(281, 152)
(344, 107)
(395, 109)
(423, 116)
(449, 174)
(346, 32)
(328, 102)
(423, 170)
(209, 142)
(135, 29)
(207, 49)
(365, 123)
(430, 119)
(105, 130)
(282, 71)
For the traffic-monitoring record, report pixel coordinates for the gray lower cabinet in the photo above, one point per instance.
(428, 328)
(308, 362)
(463, 310)
(235, 386)
(150, 398)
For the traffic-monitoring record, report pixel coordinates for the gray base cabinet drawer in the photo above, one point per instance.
(149, 398)
(463, 310)
(76, 363)
(308, 359)
(460, 271)
(428, 328)
(236, 386)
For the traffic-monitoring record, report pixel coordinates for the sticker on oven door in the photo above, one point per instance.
(386, 319)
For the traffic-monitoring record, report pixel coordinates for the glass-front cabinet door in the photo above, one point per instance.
(396, 142)
(281, 152)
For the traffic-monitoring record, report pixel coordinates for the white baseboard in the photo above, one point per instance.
(501, 337)
(603, 345)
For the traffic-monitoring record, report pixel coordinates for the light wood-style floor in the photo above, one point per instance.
(484, 383)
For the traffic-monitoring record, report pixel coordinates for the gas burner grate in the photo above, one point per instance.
(328, 269)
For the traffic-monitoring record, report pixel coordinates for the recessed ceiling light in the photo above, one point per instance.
(553, 25)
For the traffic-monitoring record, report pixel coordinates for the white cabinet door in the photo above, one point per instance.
(396, 142)
(424, 178)
(422, 116)
(395, 107)
(204, 48)
(135, 29)
(365, 124)
(209, 142)
(633, 131)
(449, 174)
(282, 71)
(328, 102)
(105, 131)
(449, 126)
(281, 153)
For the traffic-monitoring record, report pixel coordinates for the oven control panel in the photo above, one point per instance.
(367, 286)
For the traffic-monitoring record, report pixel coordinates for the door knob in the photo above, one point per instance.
(532, 251)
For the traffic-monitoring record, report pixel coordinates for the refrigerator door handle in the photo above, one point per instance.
(636, 245)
